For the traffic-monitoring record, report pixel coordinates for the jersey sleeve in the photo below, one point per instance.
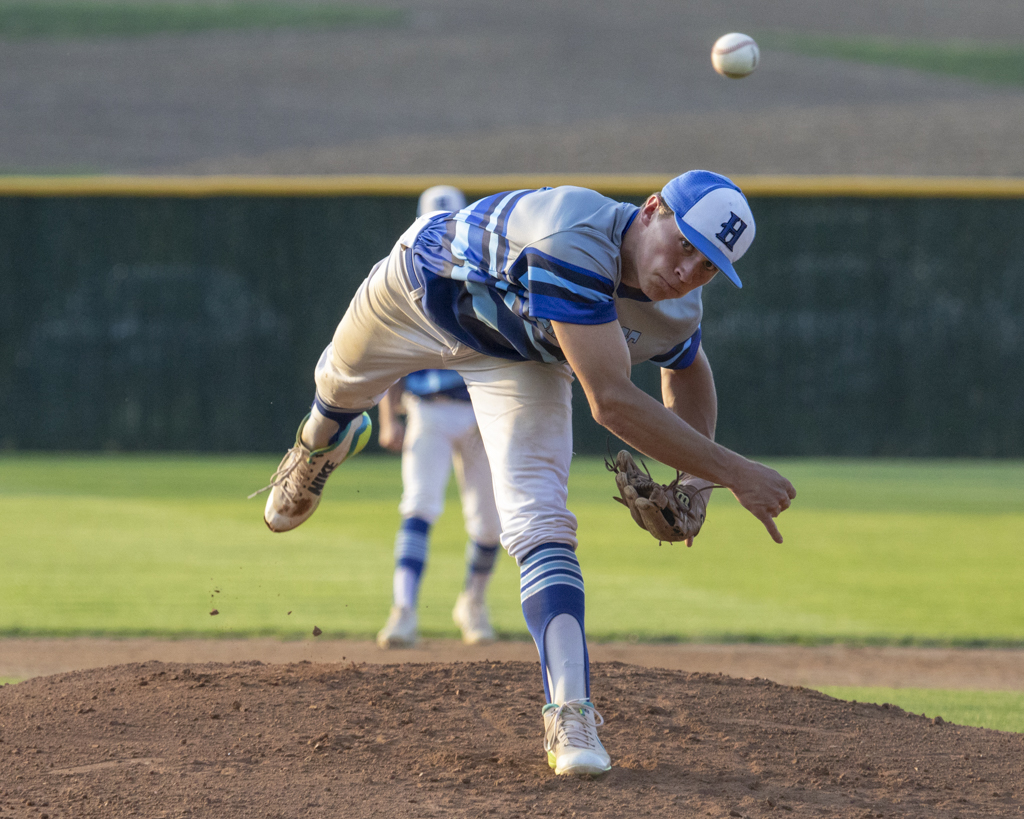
(570, 277)
(681, 356)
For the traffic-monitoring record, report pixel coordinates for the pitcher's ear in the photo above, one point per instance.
(649, 208)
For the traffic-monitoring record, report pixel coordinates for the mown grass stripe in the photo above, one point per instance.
(997, 710)
(19, 21)
(875, 554)
(990, 63)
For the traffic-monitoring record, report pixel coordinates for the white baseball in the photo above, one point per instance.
(735, 55)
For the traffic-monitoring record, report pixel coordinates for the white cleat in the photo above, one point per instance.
(296, 487)
(400, 629)
(570, 739)
(472, 618)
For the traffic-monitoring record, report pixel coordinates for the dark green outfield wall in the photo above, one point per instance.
(874, 327)
(170, 323)
(867, 326)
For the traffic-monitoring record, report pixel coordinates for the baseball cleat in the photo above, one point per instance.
(570, 738)
(472, 618)
(400, 629)
(296, 487)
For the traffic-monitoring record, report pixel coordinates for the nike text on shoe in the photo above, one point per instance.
(400, 629)
(472, 619)
(296, 487)
(570, 738)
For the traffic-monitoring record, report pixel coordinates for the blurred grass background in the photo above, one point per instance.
(984, 62)
(876, 552)
(21, 20)
(971, 60)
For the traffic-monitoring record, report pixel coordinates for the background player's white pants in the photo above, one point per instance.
(523, 408)
(441, 433)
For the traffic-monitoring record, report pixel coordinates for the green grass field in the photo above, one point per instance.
(876, 552)
(22, 20)
(914, 552)
(998, 710)
(979, 61)
(988, 63)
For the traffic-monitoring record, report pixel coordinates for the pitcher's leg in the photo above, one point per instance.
(524, 412)
(379, 339)
(554, 606)
(525, 416)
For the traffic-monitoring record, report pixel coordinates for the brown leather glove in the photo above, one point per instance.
(669, 512)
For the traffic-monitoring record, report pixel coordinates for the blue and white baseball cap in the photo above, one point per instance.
(441, 197)
(713, 214)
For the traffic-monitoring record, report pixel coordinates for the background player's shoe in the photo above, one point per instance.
(296, 487)
(400, 629)
(570, 738)
(472, 618)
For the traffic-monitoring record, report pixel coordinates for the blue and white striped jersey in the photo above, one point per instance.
(495, 274)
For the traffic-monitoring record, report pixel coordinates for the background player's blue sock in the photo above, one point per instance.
(479, 565)
(411, 544)
(551, 590)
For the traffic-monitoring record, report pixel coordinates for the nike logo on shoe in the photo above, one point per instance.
(316, 486)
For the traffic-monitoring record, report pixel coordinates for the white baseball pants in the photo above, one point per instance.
(441, 433)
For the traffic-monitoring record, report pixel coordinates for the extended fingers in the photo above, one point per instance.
(773, 530)
(774, 512)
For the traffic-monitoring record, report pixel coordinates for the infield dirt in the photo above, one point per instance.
(246, 739)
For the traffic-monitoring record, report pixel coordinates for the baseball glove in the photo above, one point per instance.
(669, 512)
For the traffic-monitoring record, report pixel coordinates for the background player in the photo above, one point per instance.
(520, 292)
(439, 432)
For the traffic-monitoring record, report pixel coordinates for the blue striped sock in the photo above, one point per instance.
(479, 567)
(480, 558)
(411, 545)
(551, 583)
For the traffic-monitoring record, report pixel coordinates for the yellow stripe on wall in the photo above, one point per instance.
(479, 185)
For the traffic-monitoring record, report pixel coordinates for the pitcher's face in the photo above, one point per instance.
(667, 265)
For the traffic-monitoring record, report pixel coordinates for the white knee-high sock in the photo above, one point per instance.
(551, 591)
(566, 665)
(405, 587)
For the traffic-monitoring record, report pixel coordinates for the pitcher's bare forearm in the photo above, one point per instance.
(600, 359)
(690, 393)
(647, 425)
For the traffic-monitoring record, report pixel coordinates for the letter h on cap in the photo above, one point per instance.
(731, 230)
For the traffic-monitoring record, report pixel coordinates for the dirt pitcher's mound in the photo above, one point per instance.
(417, 740)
